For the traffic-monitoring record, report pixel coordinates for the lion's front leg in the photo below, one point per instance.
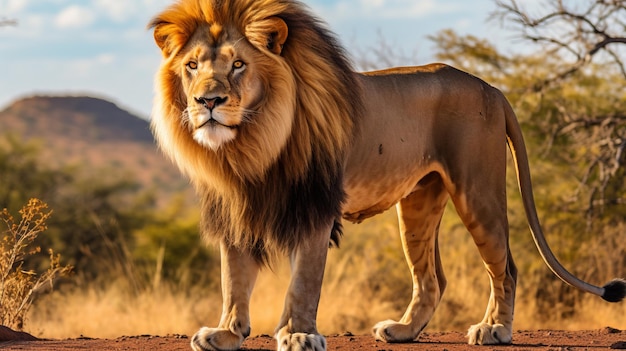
(239, 272)
(297, 329)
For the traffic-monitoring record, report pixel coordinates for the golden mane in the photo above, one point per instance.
(251, 198)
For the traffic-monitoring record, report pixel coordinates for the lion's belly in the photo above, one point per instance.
(362, 205)
(368, 196)
(380, 174)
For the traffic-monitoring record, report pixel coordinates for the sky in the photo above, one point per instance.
(102, 48)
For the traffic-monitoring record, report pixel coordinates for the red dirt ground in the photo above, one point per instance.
(544, 340)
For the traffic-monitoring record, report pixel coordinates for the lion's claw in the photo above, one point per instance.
(215, 339)
(287, 341)
(486, 334)
(392, 331)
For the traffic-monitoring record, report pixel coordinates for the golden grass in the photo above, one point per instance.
(114, 311)
(366, 281)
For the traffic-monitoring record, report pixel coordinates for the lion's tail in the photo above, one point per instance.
(615, 290)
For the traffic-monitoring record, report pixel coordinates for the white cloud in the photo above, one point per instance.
(462, 23)
(33, 23)
(105, 59)
(118, 11)
(390, 9)
(15, 6)
(88, 68)
(157, 4)
(74, 17)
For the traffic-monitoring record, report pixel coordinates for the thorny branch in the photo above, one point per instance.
(579, 33)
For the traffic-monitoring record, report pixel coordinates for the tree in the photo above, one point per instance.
(7, 22)
(579, 33)
(588, 39)
(21, 175)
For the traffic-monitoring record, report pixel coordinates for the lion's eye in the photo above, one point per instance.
(192, 65)
(238, 64)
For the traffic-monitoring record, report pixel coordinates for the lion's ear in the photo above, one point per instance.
(167, 36)
(270, 34)
(160, 37)
(277, 37)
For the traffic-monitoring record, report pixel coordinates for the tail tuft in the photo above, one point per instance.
(615, 290)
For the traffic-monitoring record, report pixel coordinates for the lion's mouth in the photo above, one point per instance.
(213, 123)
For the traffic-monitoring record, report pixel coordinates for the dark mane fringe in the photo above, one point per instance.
(279, 216)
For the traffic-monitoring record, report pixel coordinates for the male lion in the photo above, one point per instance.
(258, 105)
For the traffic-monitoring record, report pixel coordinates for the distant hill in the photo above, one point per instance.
(79, 118)
(90, 132)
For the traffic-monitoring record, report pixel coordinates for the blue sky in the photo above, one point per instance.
(102, 48)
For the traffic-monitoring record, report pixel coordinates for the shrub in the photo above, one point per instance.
(19, 286)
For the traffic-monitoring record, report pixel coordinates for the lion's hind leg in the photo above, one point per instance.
(419, 214)
(496, 327)
(483, 211)
(497, 324)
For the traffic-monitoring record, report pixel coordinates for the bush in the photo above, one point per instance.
(18, 286)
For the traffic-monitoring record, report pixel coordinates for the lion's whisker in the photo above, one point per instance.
(248, 115)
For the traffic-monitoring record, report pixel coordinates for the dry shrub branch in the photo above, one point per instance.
(19, 286)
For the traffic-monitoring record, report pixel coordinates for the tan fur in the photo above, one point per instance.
(258, 105)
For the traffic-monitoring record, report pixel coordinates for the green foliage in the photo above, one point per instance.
(170, 244)
(471, 54)
(105, 223)
(21, 175)
(18, 286)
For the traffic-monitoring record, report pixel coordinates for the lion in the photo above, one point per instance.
(258, 104)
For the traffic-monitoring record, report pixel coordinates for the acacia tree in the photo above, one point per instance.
(578, 31)
(587, 38)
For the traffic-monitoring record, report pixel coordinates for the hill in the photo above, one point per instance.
(93, 133)
(79, 118)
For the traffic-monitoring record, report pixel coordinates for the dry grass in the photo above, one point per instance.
(366, 281)
(113, 311)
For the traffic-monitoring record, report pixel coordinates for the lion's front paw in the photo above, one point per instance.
(215, 339)
(392, 331)
(486, 334)
(287, 341)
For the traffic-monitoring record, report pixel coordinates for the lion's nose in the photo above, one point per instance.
(211, 103)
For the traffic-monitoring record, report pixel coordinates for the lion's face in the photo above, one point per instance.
(245, 84)
(220, 78)
(225, 95)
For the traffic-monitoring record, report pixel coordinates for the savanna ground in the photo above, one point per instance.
(603, 339)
